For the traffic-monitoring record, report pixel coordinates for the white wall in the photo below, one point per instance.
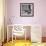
(1, 19)
(13, 11)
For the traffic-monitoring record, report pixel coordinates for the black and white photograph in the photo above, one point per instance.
(26, 9)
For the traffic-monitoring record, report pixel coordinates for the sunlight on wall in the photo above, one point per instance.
(1, 15)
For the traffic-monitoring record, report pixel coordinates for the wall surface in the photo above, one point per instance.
(1, 21)
(13, 12)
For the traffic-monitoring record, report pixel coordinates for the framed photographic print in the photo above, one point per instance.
(26, 9)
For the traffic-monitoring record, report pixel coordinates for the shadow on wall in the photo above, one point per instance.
(44, 34)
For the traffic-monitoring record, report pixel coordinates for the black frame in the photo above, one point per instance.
(32, 10)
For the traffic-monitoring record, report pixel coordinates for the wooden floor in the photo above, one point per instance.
(23, 43)
(18, 43)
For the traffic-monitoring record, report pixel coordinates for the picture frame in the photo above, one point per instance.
(26, 9)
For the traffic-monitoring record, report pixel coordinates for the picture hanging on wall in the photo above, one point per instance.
(26, 9)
